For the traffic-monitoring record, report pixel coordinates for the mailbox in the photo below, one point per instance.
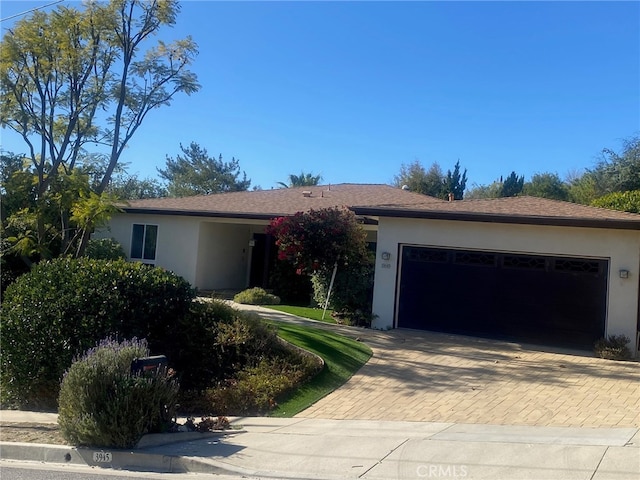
(156, 364)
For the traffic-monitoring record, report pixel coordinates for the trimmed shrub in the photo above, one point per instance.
(256, 296)
(63, 307)
(102, 404)
(104, 249)
(613, 348)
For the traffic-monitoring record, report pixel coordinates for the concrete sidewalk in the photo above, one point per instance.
(345, 449)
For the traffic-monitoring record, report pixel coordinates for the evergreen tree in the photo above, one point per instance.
(456, 183)
(512, 185)
(195, 173)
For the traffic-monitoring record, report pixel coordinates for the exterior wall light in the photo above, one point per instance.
(624, 273)
(385, 255)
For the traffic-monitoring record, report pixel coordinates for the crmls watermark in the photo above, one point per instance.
(441, 471)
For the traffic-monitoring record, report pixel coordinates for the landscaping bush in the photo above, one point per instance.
(102, 404)
(214, 341)
(256, 389)
(63, 307)
(613, 348)
(256, 296)
(105, 249)
(351, 295)
(233, 363)
(293, 288)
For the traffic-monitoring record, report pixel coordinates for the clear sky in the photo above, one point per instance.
(352, 90)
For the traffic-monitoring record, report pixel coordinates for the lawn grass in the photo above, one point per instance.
(342, 356)
(305, 312)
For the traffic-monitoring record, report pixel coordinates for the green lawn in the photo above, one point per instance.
(342, 356)
(305, 312)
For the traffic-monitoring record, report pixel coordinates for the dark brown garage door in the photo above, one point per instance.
(527, 298)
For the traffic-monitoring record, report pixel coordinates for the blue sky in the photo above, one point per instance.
(352, 90)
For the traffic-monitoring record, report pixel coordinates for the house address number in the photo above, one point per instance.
(385, 265)
(102, 457)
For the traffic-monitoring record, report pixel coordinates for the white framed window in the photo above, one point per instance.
(143, 241)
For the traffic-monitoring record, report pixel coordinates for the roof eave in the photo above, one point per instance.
(499, 218)
(196, 213)
(237, 215)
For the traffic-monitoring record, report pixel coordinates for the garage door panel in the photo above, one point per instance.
(549, 300)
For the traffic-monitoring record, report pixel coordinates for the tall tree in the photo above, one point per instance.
(302, 180)
(546, 185)
(455, 183)
(619, 172)
(417, 179)
(59, 71)
(512, 185)
(195, 173)
(614, 172)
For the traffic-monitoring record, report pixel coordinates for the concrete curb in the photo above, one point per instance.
(130, 460)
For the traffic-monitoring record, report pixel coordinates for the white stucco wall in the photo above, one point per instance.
(211, 254)
(177, 244)
(223, 256)
(621, 247)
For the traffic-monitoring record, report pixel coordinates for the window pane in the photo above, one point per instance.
(136, 240)
(150, 242)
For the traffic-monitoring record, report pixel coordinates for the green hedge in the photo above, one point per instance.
(63, 307)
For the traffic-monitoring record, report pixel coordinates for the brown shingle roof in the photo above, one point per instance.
(386, 201)
(283, 201)
(529, 210)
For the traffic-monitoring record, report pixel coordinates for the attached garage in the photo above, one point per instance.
(534, 298)
(523, 269)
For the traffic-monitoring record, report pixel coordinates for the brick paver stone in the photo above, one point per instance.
(423, 376)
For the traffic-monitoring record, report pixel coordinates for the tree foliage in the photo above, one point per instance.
(625, 201)
(60, 71)
(546, 185)
(432, 182)
(614, 172)
(318, 238)
(314, 241)
(130, 187)
(484, 191)
(455, 183)
(417, 179)
(196, 173)
(512, 185)
(303, 180)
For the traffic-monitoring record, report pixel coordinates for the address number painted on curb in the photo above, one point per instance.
(102, 457)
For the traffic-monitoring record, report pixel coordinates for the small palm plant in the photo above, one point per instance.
(302, 180)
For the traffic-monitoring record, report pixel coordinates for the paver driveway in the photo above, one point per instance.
(424, 376)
